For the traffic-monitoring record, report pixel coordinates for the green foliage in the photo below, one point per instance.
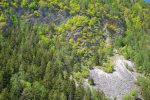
(108, 67)
(2, 20)
(33, 5)
(4, 94)
(91, 81)
(85, 3)
(144, 84)
(75, 8)
(111, 27)
(73, 23)
(135, 46)
(85, 72)
(14, 19)
(108, 50)
(127, 52)
(24, 3)
(41, 59)
(42, 3)
(36, 13)
(132, 95)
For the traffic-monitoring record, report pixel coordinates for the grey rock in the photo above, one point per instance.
(118, 83)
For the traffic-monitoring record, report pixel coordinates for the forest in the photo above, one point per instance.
(48, 46)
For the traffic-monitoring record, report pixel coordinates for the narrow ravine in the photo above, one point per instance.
(118, 83)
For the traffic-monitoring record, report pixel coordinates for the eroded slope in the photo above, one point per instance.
(118, 83)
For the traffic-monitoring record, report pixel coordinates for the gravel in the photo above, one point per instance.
(118, 83)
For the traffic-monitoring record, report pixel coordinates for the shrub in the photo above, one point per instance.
(24, 3)
(144, 84)
(132, 95)
(33, 5)
(91, 81)
(108, 67)
(36, 13)
(85, 72)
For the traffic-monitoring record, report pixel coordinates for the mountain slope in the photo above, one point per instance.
(48, 46)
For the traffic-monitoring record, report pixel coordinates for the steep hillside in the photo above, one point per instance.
(48, 48)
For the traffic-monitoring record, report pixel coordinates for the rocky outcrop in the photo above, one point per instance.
(118, 83)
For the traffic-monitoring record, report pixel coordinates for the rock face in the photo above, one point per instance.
(118, 83)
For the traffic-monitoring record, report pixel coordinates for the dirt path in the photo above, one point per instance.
(118, 83)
